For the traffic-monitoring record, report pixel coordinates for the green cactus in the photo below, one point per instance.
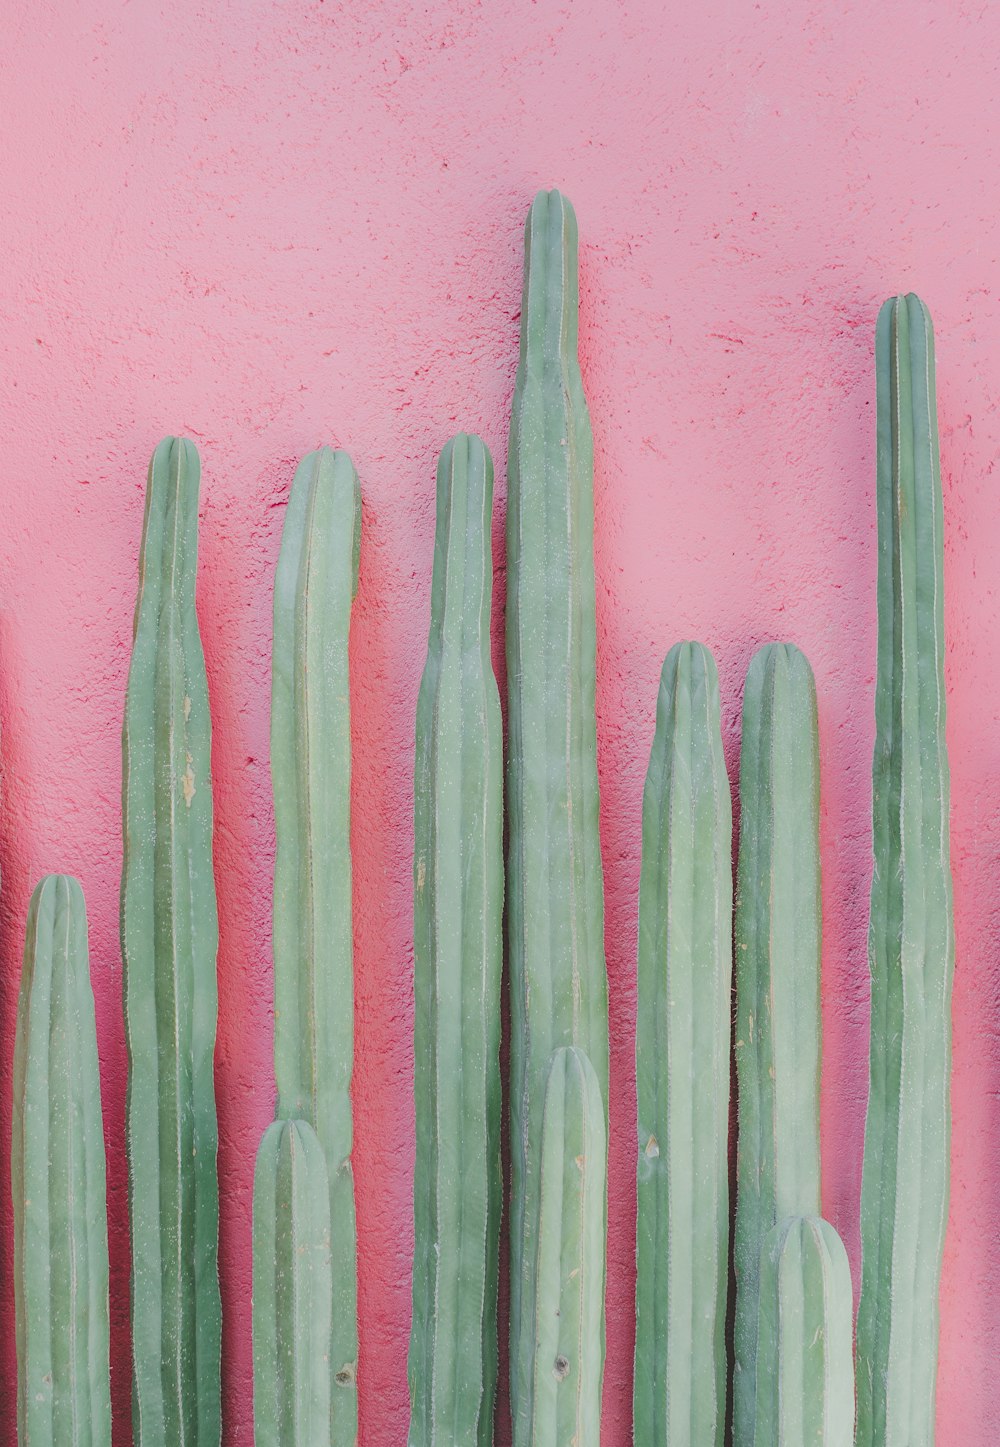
(315, 584)
(292, 1289)
(911, 946)
(554, 886)
(805, 1371)
(57, 1176)
(778, 945)
(567, 1346)
(458, 907)
(682, 1064)
(169, 941)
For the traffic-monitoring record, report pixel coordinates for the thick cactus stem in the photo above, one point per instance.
(778, 946)
(805, 1370)
(169, 941)
(292, 1289)
(911, 947)
(458, 908)
(315, 584)
(682, 1064)
(57, 1175)
(568, 1307)
(554, 885)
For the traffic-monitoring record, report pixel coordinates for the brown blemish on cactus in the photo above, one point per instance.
(560, 1369)
(652, 1148)
(345, 1377)
(187, 781)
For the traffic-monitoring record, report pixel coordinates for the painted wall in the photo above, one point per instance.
(268, 225)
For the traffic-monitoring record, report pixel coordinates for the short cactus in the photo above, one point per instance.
(911, 945)
(58, 1180)
(315, 584)
(805, 1371)
(568, 1315)
(682, 1064)
(458, 907)
(170, 932)
(555, 900)
(292, 1289)
(778, 932)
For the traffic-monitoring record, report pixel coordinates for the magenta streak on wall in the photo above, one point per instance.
(270, 225)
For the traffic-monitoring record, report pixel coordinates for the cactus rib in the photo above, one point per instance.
(292, 1288)
(805, 1371)
(554, 883)
(682, 1064)
(169, 941)
(778, 931)
(568, 1314)
(458, 905)
(315, 584)
(58, 1180)
(904, 1191)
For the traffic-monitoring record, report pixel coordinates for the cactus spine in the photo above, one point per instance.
(805, 1372)
(682, 1064)
(169, 942)
(778, 945)
(568, 1317)
(904, 1191)
(554, 885)
(315, 584)
(292, 1289)
(458, 906)
(57, 1174)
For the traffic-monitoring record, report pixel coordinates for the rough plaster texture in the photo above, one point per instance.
(268, 225)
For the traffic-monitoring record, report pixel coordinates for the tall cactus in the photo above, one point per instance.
(458, 907)
(682, 1064)
(904, 1190)
(292, 1289)
(805, 1370)
(57, 1175)
(554, 885)
(568, 1307)
(169, 941)
(778, 945)
(315, 584)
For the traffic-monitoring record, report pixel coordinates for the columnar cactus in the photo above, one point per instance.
(805, 1371)
(778, 945)
(554, 884)
(458, 908)
(57, 1175)
(567, 1337)
(292, 1289)
(904, 1191)
(169, 940)
(315, 584)
(682, 1064)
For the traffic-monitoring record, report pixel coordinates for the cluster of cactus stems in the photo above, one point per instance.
(682, 1059)
(457, 949)
(793, 1366)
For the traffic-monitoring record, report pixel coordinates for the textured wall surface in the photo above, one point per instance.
(274, 223)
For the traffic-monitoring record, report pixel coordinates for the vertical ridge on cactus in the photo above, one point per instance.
(568, 1306)
(682, 1064)
(458, 907)
(778, 938)
(805, 1371)
(555, 901)
(58, 1182)
(904, 1192)
(169, 930)
(315, 584)
(292, 1289)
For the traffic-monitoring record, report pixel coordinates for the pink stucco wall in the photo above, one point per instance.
(274, 223)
